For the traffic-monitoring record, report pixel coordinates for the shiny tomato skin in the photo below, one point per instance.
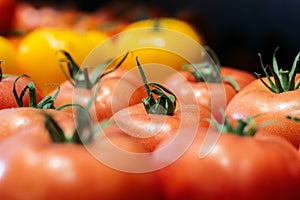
(7, 99)
(271, 109)
(152, 129)
(36, 168)
(235, 168)
(14, 120)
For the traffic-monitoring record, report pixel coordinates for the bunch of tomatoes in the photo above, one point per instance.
(148, 112)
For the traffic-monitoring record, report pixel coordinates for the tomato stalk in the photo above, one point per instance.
(164, 104)
(207, 72)
(80, 78)
(83, 133)
(296, 119)
(244, 127)
(57, 134)
(46, 103)
(284, 80)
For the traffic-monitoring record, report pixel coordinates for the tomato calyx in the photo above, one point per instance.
(163, 104)
(79, 78)
(208, 72)
(243, 127)
(83, 133)
(284, 80)
(57, 134)
(46, 103)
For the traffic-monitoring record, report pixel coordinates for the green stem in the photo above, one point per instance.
(46, 103)
(55, 131)
(244, 127)
(83, 133)
(164, 104)
(19, 99)
(32, 95)
(113, 69)
(296, 119)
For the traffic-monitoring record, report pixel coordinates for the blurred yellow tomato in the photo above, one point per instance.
(37, 52)
(167, 23)
(159, 44)
(8, 56)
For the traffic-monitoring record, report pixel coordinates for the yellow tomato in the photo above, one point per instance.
(168, 23)
(38, 57)
(8, 57)
(165, 43)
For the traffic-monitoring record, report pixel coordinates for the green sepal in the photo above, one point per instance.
(78, 77)
(244, 127)
(284, 80)
(164, 104)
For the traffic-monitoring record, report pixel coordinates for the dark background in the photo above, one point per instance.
(237, 30)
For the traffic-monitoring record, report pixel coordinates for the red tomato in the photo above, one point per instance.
(158, 117)
(271, 109)
(271, 101)
(33, 167)
(212, 94)
(234, 168)
(7, 8)
(7, 98)
(14, 121)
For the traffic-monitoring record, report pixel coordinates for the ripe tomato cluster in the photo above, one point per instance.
(147, 113)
